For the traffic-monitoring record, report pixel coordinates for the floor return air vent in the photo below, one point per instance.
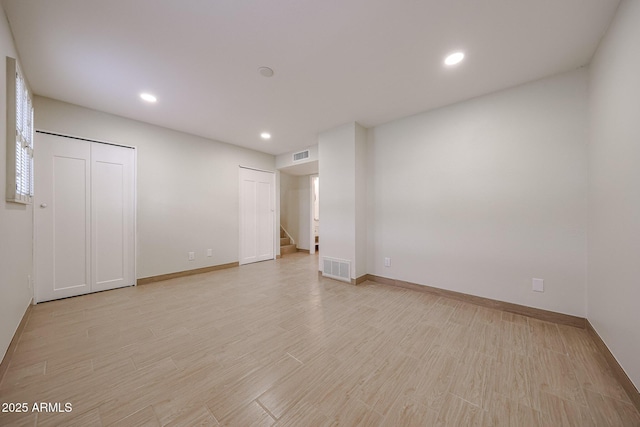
(339, 269)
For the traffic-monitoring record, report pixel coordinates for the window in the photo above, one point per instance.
(19, 136)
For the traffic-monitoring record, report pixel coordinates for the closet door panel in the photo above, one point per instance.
(62, 218)
(113, 216)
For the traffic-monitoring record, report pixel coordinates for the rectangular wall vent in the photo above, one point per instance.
(339, 269)
(300, 155)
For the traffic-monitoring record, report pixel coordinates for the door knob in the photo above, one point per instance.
(43, 205)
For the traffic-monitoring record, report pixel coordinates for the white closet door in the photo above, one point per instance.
(112, 216)
(62, 211)
(84, 217)
(257, 216)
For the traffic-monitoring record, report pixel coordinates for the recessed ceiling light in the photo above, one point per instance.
(148, 97)
(454, 58)
(265, 135)
(265, 71)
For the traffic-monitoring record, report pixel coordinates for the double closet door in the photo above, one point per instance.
(84, 213)
(257, 215)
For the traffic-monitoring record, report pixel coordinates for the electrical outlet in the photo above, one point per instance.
(537, 285)
(192, 256)
(387, 262)
(209, 252)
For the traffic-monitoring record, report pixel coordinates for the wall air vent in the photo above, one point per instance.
(300, 155)
(339, 269)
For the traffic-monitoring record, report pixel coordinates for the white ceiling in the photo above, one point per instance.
(335, 61)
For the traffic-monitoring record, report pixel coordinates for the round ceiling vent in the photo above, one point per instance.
(265, 71)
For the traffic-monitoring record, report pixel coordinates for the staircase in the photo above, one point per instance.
(286, 245)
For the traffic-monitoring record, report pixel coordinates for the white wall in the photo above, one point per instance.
(304, 212)
(16, 223)
(278, 219)
(289, 204)
(360, 197)
(614, 195)
(286, 160)
(315, 205)
(187, 186)
(482, 196)
(342, 162)
(336, 150)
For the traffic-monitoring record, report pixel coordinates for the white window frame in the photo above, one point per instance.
(19, 136)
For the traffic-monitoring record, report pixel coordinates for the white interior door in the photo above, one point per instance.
(62, 210)
(84, 217)
(112, 216)
(257, 215)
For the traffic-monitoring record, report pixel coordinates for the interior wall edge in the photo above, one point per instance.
(615, 366)
(523, 310)
(6, 360)
(177, 274)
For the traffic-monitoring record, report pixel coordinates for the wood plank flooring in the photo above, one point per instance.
(274, 344)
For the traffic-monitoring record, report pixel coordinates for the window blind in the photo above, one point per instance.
(20, 134)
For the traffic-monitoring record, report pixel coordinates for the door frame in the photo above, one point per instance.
(275, 210)
(33, 279)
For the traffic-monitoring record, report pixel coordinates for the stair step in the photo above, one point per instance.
(284, 241)
(288, 249)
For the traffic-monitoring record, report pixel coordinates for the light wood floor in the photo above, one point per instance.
(272, 343)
